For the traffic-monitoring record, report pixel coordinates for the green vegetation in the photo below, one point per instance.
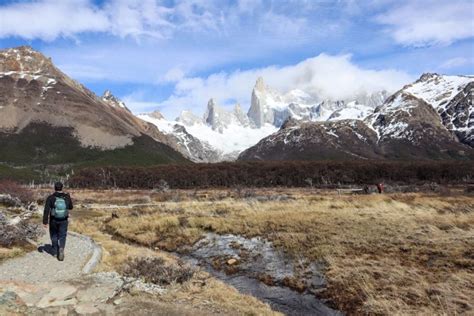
(23, 174)
(40, 145)
(277, 174)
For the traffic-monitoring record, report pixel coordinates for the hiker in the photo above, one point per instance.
(380, 187)
(57, 209)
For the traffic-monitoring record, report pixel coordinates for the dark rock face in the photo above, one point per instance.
(459, 115)
(341, 140)
(193, 148)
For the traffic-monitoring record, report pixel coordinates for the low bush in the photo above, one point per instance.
(17, 235)
(240, 175)
(15, 190)
(155, 270)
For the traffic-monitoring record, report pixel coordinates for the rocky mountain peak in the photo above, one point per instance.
(188, 118)
(260, 84)
(26, 60)
(157, 115)
(216, 117)
(211, 104)
(241, 117)
(427, 76)
(112, 100)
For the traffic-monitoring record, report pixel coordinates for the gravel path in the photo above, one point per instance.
(40, 266)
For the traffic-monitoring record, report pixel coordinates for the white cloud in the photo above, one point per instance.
(323, 76)
(136, 103)
(430, 22)
(454, 62)
(174, 75)
(51, 19)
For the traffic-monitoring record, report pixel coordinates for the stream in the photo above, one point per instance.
(253, 266)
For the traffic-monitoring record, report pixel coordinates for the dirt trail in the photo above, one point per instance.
(40, 266)
(39, 284)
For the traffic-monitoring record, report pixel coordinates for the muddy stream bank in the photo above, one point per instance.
(253, 266)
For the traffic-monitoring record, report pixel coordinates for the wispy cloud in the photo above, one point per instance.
(430, 22)
(180, 53)
(455, 62)
(52, 19)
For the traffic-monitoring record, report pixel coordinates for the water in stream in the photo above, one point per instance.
(253, 266)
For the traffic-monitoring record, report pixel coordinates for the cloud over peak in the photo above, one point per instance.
(333, 77)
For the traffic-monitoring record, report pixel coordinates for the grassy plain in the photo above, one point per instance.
(410, 253)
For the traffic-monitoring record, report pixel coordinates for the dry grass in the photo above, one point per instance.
(385, 254)
(201, 291)
(8, 253)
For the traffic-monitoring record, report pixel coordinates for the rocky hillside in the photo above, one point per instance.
(46, 117)
(429, 119)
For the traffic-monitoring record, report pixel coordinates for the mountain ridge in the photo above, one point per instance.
(410, 124)
(33, 92)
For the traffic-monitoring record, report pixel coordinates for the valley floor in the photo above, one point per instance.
(408, 253)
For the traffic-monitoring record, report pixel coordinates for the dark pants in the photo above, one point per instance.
(58, 233)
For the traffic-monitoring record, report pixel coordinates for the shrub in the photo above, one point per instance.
(15, 190)
(155, 270)
(11, 235)
(239, 175)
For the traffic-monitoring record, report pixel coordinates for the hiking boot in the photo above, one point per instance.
(61, 254)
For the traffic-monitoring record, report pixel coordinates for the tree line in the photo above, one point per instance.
(275, 174)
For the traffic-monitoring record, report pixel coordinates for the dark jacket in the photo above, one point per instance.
(50, 205)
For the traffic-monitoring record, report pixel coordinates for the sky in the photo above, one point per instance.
(171, 55)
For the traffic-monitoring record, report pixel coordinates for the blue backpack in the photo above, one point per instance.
(60, 210)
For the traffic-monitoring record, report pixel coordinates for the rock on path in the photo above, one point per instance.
(37, 267)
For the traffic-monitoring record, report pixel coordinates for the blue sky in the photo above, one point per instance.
(174, 55)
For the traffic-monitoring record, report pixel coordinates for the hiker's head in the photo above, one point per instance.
(58, 186)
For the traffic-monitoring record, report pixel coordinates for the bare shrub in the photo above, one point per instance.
(162, 186)
(11, 235)
(155, 270)
(15, 190)
(469, 189)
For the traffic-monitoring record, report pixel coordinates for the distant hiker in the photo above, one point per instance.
(366, 189)
(380, 187)
(57, 209)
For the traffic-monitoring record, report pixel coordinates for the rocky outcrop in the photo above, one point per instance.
(113, 101)
(187, 118)
(458, 115)
(191, 147)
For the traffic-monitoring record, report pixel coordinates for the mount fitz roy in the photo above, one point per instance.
(48, 118)
(226, 133)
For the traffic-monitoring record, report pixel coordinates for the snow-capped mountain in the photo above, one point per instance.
(431, 118)
(188, 145)
(229, 132)
(452, 98)
(219, 119)
(201, 141)
(269, 106)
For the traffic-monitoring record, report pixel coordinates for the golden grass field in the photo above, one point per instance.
(387, 254)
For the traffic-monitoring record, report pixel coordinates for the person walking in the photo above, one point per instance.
(56, 213)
